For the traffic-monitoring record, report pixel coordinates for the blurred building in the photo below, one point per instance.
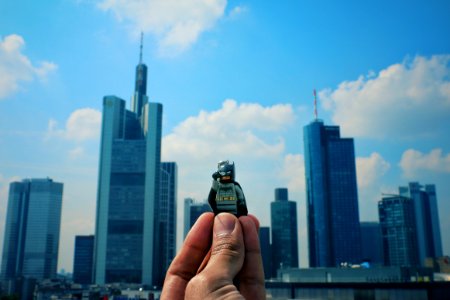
(428, 233)
(398, 231)
(283, 216)
(193, 210)
(371, 243)
(266, 252)
(83, 259)
(32, 228)
(331, 196)
(127, 236)
(168, 215)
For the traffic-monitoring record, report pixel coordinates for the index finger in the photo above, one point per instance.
(188, 260)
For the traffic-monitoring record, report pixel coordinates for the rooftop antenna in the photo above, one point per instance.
(140, 53)
(315, 104)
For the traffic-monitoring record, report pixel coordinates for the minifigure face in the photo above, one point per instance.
(226, 171)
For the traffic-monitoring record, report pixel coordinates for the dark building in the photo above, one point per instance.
(32, 227)
(192, 211)
(266, 253)
(428, 233)
(168, 215)
(127, 236)
(331, 197)
(284, 232)
(83, 259)
(371, 243)
(398, 231)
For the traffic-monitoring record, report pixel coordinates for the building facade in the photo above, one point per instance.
(371, 243)
(168, 215)
(32, 228)
(283, 216)
(331, 196)
(193, 210)
(398, 230)
(83, 259)
(266, 250)
(428, 233)
(127, 232)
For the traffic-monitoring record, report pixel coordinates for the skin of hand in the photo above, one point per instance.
(234, 269)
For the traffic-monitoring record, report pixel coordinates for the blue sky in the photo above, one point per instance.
(236, 81)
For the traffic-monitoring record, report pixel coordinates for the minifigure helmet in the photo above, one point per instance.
(226, 170)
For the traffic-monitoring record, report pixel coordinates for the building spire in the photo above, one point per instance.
(315, 104)
(140, 52)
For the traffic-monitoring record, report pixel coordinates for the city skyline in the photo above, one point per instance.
(243, 81)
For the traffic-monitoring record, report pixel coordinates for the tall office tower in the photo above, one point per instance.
(371, 243)
(83, 259)
(31, 240)
(427, 219)
(398, 231)
(331, 197)
(264, 241)
(168, 216)
(192, 211)
(283, 216)
(127, 232)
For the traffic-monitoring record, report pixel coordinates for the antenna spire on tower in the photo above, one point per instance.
(140, 53)
(315, 104)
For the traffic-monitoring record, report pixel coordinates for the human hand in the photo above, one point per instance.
(234, 269)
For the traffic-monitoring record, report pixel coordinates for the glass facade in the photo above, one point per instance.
(284, 232)
(371, 243)
(31, 239)
(428, 233)
(168, 215)
(127, 221)
(398, 231)
(83, 259)
(332, 197)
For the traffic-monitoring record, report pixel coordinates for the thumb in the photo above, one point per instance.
(227, 249)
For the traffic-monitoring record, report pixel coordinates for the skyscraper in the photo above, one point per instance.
(83, 258)
(283, 216)
(168, 215)
(127, 232)
(428, 233)
(192, 211)
(398, 231)
(371, 243)
(331, 196)
(31, 240)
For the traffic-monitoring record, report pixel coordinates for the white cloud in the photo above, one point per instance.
(407, 100)
(83, 124)
(176, 24)
(294, 172)
(370, 169)
(414, 162)
(15, 67)
(229, 132)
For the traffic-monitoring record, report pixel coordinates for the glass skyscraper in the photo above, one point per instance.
(283, 216)
(398, 231)
(331, 195)
(428, 233)
(127, 232)
(31, 240)
(83, 258)
(168, 215)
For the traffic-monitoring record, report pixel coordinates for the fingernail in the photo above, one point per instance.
(224, 224)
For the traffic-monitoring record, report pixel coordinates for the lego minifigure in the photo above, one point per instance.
(226, 194)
